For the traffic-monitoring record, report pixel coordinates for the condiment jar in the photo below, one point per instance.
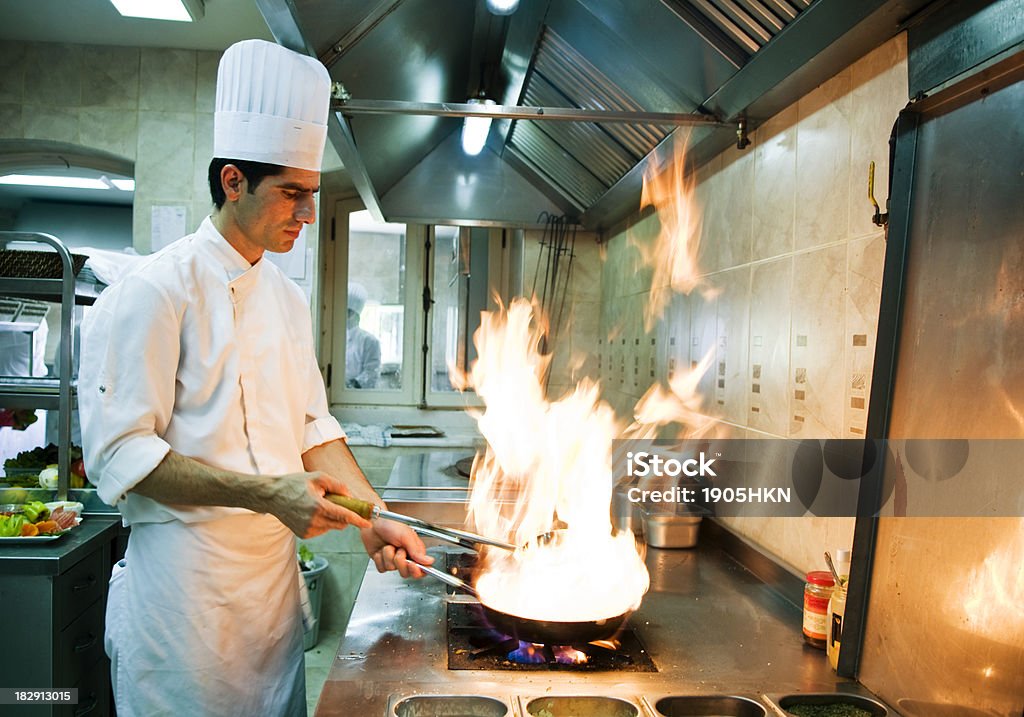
(817, 591)
(836, 611)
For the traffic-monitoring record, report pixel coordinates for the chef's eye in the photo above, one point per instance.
(291, 194)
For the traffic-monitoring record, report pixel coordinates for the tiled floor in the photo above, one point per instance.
(318, 664)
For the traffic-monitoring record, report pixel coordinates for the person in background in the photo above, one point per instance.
(204, 418)
(362, 349)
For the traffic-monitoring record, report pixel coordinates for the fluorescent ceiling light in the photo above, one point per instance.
(502, 7)
(475, 129)
(67, 182)
(177, 10)
(41, 180)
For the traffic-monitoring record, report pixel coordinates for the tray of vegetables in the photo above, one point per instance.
(38, 468)
(37, 522)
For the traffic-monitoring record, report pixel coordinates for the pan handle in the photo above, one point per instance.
(446, 578)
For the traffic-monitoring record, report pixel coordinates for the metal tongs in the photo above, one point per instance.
(462, 538)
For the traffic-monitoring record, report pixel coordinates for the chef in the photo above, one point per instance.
(205, 421)
(362, 349)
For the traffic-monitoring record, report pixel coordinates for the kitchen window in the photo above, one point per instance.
(404, 302)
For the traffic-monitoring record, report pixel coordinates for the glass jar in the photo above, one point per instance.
(836, 611)
(817, 591)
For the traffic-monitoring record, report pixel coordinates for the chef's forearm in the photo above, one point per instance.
(184, 481)
(335, 458)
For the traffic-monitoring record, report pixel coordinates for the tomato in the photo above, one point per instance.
(78, 467)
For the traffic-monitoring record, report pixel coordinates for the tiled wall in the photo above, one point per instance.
(148, 105)
(574, 354)
(151, 106)
(791, 264)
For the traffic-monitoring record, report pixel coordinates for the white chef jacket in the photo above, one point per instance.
(198, 351)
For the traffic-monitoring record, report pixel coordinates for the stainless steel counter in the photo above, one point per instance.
(710, 626)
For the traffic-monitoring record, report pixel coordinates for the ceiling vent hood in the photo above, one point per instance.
(586, 92)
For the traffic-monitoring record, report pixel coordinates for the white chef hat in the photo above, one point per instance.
(356, 297)
(272, 106)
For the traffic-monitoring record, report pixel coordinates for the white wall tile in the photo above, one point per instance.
(823, 164)
(774, 187)
(167, 80)
(770, 315)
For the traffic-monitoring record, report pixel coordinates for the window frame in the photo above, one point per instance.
(417, 348)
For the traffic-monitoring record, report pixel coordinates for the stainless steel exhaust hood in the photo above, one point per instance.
(718, 62)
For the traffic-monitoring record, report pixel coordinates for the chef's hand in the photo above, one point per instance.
(301, 506)
(391, 545)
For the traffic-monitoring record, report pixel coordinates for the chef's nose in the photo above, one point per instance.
(305, 211)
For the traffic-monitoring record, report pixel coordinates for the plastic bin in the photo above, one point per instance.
(315, 586)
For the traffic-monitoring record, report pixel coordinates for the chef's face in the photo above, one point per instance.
(271, 216)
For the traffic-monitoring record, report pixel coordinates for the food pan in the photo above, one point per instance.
(671, 531)
(708, 706)
(580, 706)
(867, 705)
(449, 706)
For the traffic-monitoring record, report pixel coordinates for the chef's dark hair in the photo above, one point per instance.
(254, 173)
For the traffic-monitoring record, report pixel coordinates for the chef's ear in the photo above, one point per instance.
(232, 181)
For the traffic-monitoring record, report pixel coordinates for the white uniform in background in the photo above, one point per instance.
(362, 358)
(199, 352)
(223, 371)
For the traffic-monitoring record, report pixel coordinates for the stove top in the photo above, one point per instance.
(475, 645)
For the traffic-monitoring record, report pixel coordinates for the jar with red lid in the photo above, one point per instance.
(817, 591)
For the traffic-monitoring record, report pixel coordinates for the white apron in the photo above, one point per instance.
(205, 620)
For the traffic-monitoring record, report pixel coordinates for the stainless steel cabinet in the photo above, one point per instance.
(52, 619)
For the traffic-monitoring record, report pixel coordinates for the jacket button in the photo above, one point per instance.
(103, 389)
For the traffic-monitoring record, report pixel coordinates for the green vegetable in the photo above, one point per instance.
(39, 457)
(10, 525)
(35, 511)
(833, 709)
(306, 557)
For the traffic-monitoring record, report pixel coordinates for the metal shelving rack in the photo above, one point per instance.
(44, 392)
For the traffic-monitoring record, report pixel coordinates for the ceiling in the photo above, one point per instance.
(96, 22)
(727, 60)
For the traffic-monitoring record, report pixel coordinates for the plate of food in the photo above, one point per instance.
(37, 522)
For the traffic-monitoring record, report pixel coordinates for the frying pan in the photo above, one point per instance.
(547, 632)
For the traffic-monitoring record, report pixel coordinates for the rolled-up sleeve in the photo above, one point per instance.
(321, 427)
(130, 351)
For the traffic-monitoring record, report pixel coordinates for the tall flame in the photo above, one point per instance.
(544, 481)
(547, 464)
(673, 255)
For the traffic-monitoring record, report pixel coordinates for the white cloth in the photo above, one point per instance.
(107, 265)
(362, 358)
(272, 106)
(198, 351)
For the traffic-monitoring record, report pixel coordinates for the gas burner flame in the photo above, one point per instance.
(566, 655)
(529, 653)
